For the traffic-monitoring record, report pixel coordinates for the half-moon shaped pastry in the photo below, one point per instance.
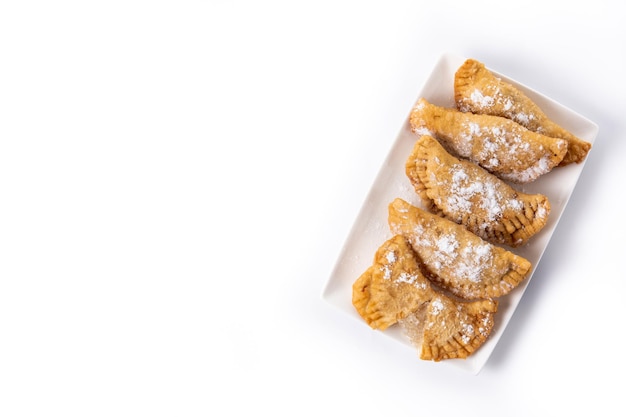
(469, 195)
(447, 329)
(501, 146)
(455, 258)
(478, 90)
(393, 289)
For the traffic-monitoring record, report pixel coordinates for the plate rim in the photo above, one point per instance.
(474, 363)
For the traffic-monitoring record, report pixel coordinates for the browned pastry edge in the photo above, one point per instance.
(517, 217)
(478, 268)
(499, 98)
(393, 290)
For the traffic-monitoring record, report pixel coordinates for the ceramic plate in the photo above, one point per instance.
(370, 228)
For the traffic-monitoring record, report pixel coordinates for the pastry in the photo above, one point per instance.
(478, 90)
(501, 146)
(455, 258)
(393, 289)
(448, 329)
(469, 195)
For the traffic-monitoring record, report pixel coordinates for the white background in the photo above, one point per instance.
(177, 179)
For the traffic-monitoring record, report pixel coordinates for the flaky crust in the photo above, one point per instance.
(478, 90)
(457, 259)
(469, 195)
(393, 290)
(501, 146)
(448, 329)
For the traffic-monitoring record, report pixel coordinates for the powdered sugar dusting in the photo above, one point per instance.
(480, 99)
(479, 254)
(422, 131)
(465, 195)
(541, 212)
(496, 99)
(418, 122)
(437, 306)
(386, 269)
(486, 325)
(407, 277)
(444, 254)
(523, 118)
(467, 332)
(447, 244)
(505, 152)
(468, 260)
(542, 166)
(505, 148)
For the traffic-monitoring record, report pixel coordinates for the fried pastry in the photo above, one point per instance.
(501, 146)
(448, 329)
(393, 289)
(478, 90)
(455, 258)
(469, 195)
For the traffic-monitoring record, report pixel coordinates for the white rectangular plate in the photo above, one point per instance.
(370, 229)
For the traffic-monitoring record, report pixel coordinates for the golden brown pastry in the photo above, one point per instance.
(469, 195)
(501, 146)
(448, 329)
(456, 258)
(478, 90)
(393, 289)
